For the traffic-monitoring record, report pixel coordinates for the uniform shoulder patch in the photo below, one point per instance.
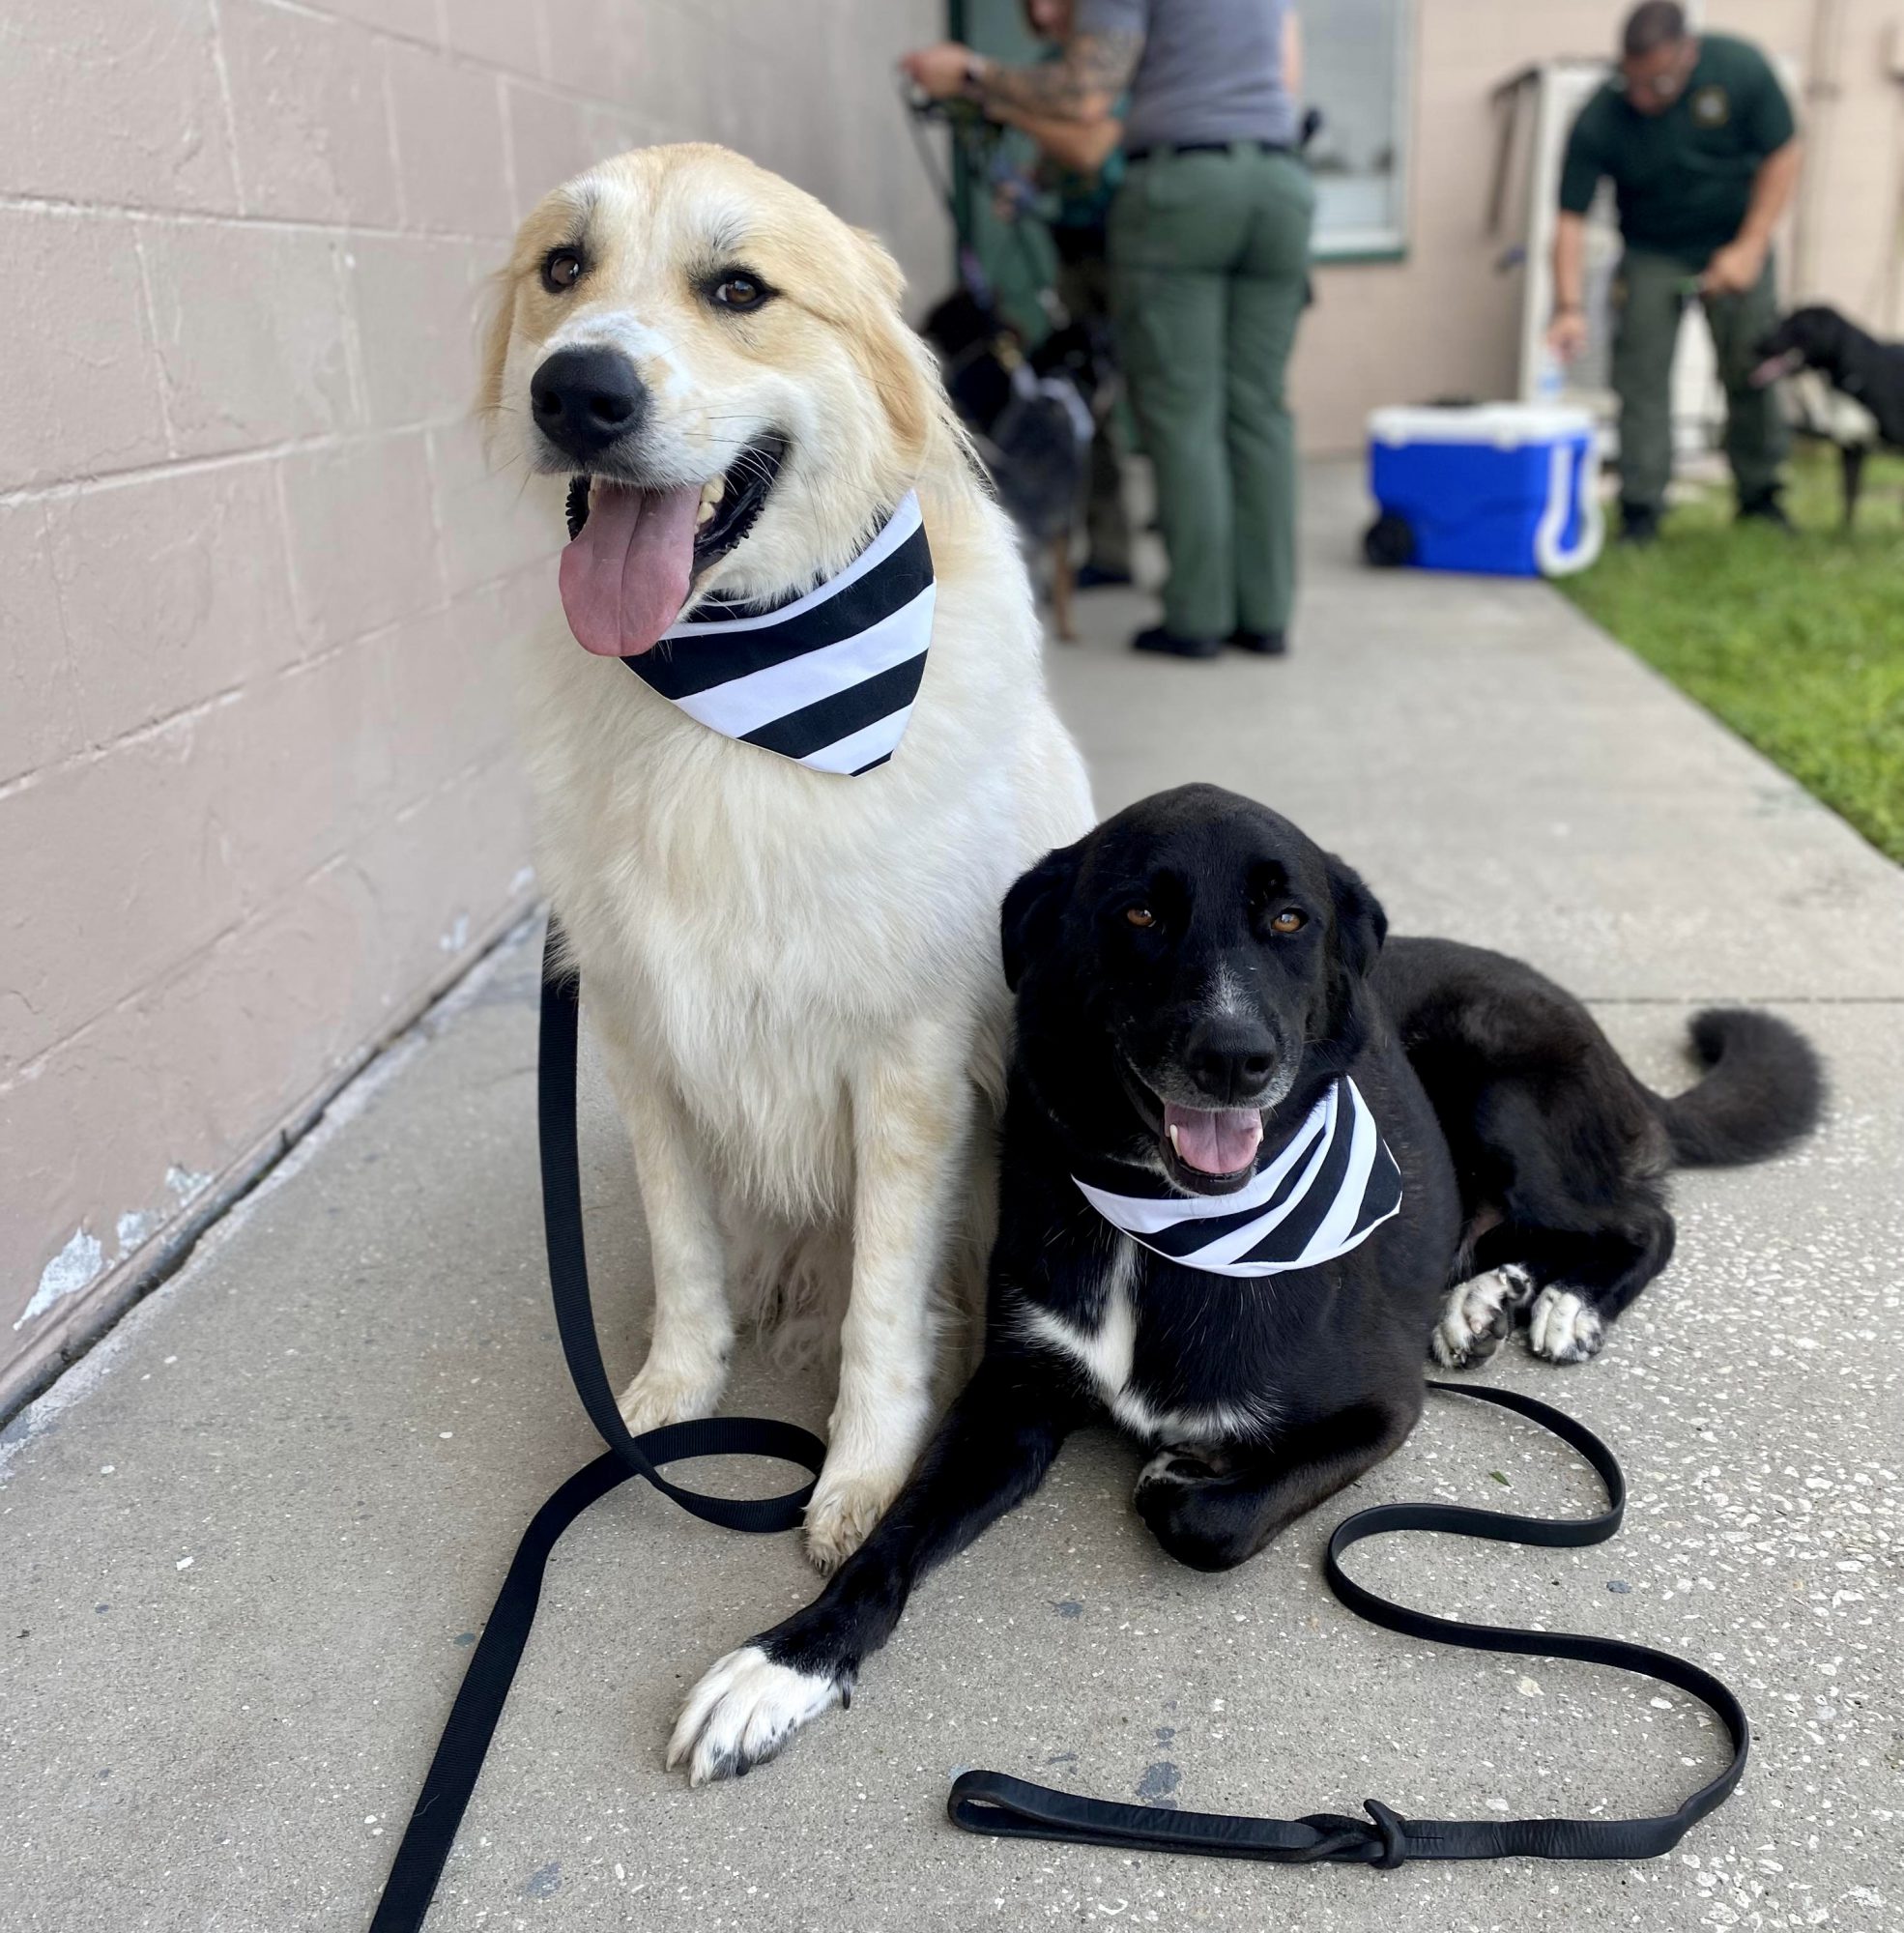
(1710, 107)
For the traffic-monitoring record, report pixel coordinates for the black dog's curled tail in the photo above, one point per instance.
(1764, 1088)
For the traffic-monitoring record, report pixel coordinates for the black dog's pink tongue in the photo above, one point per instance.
(625, 578)
(1221, 1143)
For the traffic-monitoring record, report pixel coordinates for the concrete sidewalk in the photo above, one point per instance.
(249, 1541)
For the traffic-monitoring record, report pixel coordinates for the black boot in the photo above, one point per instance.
(1263, 643)
(1640, 525)
(1765, 508)
(1171, 645)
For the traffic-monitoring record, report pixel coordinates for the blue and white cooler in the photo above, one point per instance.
(1504, 488)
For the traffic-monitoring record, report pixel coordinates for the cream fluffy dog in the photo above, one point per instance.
(793, 975)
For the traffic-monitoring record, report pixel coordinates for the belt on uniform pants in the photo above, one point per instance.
(1151, 147)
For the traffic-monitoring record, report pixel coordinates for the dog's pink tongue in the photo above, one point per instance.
(1214, 1143)
(625, 578)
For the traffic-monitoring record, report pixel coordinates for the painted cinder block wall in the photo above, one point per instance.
(257, 796)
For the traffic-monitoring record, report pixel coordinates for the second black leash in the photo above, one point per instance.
(996, 1802)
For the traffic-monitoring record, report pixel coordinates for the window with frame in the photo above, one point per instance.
(1355, 59)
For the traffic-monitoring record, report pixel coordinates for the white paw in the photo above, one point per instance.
(671, 1392)
(842, 1511)
(1477, 1316)
(1563, 1327)
(743, 1711)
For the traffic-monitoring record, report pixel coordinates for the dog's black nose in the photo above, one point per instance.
(1231, 1060)
(584, 399)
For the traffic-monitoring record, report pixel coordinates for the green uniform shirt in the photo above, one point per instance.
(1683, 179)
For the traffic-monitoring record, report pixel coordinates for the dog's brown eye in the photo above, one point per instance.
(739, 292)
(1289, 920)
(561, 270)
(1141, 916)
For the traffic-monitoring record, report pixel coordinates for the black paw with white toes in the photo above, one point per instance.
(1564, 1326)
(745, 1710)
(1478, 1317)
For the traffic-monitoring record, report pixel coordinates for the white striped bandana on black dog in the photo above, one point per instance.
(1326, 1190)
(828, 678)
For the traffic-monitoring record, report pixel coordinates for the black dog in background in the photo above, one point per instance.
(1853, 364)
(1033, 414)
(1198, 987)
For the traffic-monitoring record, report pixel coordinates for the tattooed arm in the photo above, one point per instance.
(1083, 86)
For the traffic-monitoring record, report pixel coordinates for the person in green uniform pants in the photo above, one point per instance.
(1698, 139)
(1209, 273)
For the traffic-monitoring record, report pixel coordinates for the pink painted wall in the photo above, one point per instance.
(257, 798)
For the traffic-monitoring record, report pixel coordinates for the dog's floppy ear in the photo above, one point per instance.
(888, 274)
(1028, 923)
(1360, 924)
(495, 321)
(901, 367)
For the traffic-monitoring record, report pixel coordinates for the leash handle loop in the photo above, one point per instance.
(997, 1804)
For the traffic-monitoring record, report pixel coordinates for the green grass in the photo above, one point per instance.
(1798, 644)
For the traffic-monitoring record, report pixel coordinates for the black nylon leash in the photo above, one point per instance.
(472, 1717)
(995, 1804)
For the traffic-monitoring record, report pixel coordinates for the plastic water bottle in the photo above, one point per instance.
(1549, 379)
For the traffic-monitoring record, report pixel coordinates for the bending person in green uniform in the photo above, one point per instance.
(1698, 139)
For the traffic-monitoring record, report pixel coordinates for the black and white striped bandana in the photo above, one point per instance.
(827, 679)
(1322, 1193)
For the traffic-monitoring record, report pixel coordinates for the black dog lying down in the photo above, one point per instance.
(1858, 365)
(1252, 1163)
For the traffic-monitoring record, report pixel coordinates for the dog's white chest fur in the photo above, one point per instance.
(1106, 1354)
(765, 1032)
